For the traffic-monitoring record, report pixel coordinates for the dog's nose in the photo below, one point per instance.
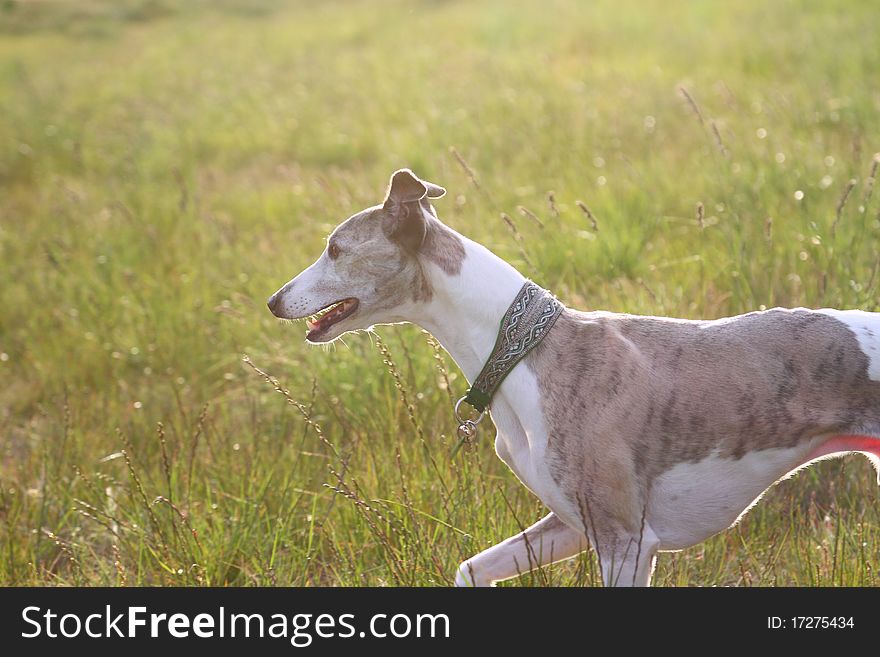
(272, 302)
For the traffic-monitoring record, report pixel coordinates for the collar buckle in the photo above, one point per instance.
(467, 427)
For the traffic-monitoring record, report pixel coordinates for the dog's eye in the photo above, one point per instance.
(333, 251)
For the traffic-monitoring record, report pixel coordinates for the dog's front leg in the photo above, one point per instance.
(547, 541)
(627, 559)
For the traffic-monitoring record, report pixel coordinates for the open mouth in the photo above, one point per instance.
(322, 320)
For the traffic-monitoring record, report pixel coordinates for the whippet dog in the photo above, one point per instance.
(640, 434)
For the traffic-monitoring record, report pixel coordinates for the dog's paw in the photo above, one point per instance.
(468, 576)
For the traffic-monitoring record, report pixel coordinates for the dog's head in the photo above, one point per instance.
(371, 271)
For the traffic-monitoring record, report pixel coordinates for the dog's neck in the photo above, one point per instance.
(466, 308)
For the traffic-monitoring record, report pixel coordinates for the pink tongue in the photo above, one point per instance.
(326, 319)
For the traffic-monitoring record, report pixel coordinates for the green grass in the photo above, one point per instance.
(163, 170)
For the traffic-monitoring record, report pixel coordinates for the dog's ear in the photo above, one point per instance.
(407, 226)
(405, 187)
(434, 191)
(405, 222)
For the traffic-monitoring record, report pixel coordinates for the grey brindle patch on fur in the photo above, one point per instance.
(370, 254)
(691, 389)
(441, 245)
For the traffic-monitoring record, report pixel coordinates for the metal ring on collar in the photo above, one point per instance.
(462, 420)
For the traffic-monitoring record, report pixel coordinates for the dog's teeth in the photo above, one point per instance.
(314, 322)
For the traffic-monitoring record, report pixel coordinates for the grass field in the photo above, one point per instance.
(164, 167)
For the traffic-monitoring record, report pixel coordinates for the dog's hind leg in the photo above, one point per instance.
(547, 541)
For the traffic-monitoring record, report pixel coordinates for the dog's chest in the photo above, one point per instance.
(522, 441)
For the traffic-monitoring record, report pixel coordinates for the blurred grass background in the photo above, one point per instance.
(165, 166)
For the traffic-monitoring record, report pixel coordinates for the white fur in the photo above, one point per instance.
(297, 298)
(519, 555)
(866, 327)
(687, 504)
(477, 298)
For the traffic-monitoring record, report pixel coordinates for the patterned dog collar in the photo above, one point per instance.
(526, 322)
